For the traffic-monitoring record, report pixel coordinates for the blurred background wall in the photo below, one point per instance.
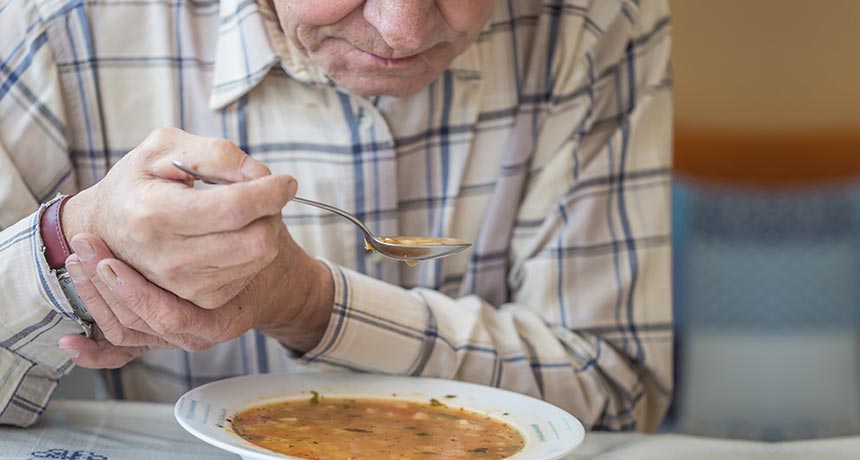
(766, 215)
(767, 89)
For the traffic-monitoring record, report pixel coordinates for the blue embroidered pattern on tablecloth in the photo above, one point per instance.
(63, 454)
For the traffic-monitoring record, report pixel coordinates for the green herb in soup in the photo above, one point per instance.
(375, 429)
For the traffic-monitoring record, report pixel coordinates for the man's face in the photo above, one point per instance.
(376, 47)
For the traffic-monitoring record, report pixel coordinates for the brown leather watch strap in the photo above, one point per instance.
(51, 228)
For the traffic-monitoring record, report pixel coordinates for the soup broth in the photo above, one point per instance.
(421, 240)
(356, 429)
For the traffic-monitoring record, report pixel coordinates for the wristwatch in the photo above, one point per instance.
(56, 252)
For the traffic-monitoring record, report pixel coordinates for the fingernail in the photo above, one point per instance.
(71, 352)
(108, 276)
(253, 169)
(76, 271)
(83, 249)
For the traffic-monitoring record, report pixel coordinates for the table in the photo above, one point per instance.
(111, 430)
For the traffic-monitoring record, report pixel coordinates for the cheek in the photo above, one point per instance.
(466, 15)
(316, 12)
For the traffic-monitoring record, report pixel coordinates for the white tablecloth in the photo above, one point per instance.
(106, 430)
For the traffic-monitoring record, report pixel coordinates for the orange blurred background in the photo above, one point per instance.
(767, 91)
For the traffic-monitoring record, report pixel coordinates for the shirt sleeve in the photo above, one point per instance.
(34, 167)
(587, 325)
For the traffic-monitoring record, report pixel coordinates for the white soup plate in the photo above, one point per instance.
(550, 433)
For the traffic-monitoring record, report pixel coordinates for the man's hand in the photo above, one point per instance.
(291, 299)
(203, 245)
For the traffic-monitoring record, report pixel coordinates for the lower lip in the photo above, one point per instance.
(391, 63)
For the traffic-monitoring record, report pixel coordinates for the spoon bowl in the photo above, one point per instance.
(409, 249)
(415, 248)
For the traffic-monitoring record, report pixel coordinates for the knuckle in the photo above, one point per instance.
(223, 148)
(157, 143)
(161, 135)
(168, 131)
(132, 299)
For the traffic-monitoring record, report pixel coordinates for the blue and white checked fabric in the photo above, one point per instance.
(547, 144)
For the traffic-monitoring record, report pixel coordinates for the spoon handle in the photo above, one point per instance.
(338, 211)
(327, 207)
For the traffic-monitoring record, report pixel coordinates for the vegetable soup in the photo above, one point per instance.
(355, 429)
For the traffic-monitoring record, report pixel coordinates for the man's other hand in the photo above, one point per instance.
(291, 299)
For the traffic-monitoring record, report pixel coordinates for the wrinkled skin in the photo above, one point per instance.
(377, 47)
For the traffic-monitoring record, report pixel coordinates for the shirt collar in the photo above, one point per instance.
(251, 42)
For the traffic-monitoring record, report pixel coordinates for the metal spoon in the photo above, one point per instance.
(415, 249)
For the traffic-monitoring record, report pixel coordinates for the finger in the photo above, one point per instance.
(82, 273)
(176, 320)
(98, 354)
(133, 293)
(121, 305)
(237, 253)
(123, 287)
(113, 330)
(224, 208)
(89, 250)
(213, 157)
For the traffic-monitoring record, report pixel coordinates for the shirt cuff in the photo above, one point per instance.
(374, 327)
(48, 277)
(34, 312)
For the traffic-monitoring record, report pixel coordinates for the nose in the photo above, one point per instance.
(405, 25)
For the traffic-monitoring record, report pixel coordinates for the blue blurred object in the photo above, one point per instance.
(767, 310)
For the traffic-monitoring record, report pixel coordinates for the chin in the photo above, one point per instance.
(394, 87)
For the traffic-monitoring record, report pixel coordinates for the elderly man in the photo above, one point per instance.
(539, 131)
